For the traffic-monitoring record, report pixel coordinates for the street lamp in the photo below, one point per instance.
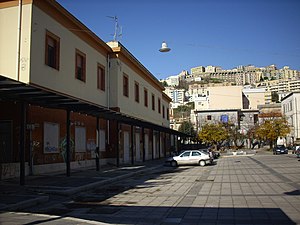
(164, 47)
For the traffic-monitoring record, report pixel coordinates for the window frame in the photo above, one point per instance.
(101, 77)
(145, 97)
(56, 39)
(168, 114)
(136, 91)
(125, 85)
(159, 105)
(78, 53)
(153, 102)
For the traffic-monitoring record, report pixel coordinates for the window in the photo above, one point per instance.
(255, 118)
(6, 131)
(80, 139)
(102, 140)
(168, 114)
(196, 154)
(80, 65)
(208, 117)
(159, 106)
(52, 50)
(146, 97)
(163, 113)
(186, 154)
(153, 102)
(125, 85)
(284, 108)
(137, 92)
(101, 77)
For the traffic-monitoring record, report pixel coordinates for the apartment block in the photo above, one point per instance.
(198, 69)
(216, 97)
(177, 95)
(282, 87)
(254, 97)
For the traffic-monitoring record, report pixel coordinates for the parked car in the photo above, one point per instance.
(280, 149)
(190, 157)
(214, 154)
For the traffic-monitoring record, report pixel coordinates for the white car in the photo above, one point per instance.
(190, 157)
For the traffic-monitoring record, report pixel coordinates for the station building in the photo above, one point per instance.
(69, 100)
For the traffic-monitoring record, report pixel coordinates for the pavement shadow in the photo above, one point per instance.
(295, 192)
(130, 214)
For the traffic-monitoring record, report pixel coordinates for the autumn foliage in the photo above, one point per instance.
(271, 129)
(268, 131)
(213, 134)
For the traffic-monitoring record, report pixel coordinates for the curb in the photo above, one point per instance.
(26, 203)
(233, 156)
(88, 187)
(35, 200)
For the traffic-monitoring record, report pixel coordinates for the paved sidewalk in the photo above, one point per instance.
(37, 189)
(238, 190)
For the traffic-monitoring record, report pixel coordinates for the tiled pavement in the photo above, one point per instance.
(238, 190)
(261, 189)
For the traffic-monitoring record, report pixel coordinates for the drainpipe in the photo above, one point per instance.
(19, 31)
(23, 104)
(108, 94)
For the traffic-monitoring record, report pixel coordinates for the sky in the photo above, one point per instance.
(225, 33)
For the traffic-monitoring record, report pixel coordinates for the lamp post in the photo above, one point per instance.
(197, 131)
(196, 118)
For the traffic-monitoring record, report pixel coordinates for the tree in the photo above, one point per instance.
(274, 97)
(164, 83)
(252, 136)
(236, 136)
(213, 134)
(182, 111)
(187, 128)
(183, 85)
(271, 129)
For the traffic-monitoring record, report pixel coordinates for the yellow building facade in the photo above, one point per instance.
(81, 101)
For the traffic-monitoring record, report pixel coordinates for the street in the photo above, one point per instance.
(259, 189)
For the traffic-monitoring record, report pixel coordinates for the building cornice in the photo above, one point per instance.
(123, 54)
(218, 110)
(65, 18)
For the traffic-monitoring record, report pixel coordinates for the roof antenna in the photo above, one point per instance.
(118, 29)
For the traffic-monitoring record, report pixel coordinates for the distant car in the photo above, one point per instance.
(297, 151)
(190, 157)
(280, 149)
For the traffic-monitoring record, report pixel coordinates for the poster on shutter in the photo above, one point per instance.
(51, 137)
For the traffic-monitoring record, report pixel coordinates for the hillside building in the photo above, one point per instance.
(290, 106)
